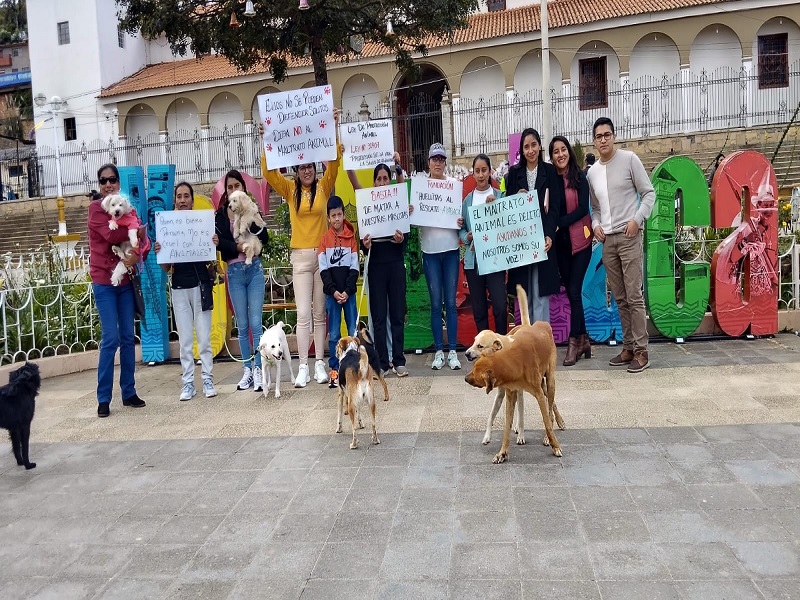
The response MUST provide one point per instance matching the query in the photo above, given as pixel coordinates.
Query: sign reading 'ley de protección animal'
(367, 143)
(298, 126)
(508, 233)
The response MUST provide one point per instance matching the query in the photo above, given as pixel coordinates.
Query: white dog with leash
(274, 349)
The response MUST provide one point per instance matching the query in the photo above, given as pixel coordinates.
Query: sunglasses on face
(104, 180)
(438, 159)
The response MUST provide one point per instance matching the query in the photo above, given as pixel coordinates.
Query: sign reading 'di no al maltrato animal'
(367, 143)
(437, 202)
(508, 233)
(298, 126)
(185, 236)
(382, 210)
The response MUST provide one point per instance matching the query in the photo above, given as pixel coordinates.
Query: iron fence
(646, 107)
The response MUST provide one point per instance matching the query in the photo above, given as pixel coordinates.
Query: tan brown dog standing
(520, 367)
(355, 386)
(486, 343)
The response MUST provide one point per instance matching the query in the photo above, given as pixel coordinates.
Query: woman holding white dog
(245, 284)
(307, 199)
(115, 304)
(191, 295)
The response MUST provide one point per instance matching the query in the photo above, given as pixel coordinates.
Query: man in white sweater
(622, 199)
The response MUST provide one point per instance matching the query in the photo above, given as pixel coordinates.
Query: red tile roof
(483, 26)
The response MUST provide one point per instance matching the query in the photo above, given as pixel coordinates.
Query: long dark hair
(232, 174)
(525, 133)
(298, 189)
(378, 169)
(573, 170)
(184, 184)
(111, 166)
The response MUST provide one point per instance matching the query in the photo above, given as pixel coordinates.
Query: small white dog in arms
(274, 349)
(245, 213)
(120, 209)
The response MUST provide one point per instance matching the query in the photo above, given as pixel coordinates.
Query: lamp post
(547, 114)
(53, 108)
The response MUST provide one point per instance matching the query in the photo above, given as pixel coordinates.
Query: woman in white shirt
(440, 263)
(494, 283)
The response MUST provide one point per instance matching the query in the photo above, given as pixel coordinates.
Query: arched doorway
(419, 116)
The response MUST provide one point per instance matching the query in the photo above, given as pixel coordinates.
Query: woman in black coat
(540, 280)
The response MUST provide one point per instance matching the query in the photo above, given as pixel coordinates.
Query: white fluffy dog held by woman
(245, 213)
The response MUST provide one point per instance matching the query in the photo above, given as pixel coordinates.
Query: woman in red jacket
(115, 304)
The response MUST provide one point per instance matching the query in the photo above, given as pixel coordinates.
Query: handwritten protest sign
(298, 126)
(508, 233)
(382, 210)
(367, 143)
(185, 236)
(437, 202)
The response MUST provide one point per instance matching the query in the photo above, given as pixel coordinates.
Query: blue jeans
(246, 288)
(334, 310)
(441, 274)
(115, 307)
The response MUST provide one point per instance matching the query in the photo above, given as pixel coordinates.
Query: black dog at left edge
(17, 403)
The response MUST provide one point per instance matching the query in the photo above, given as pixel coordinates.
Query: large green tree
(279, 31)
(13, 21)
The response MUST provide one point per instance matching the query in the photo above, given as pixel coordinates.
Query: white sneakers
(320, 372)
(302, 377)
(188, 392)
(258, 380)
(452, 360)
(208, 388)
(246, 382)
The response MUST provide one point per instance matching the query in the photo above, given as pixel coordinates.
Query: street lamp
(53, 108)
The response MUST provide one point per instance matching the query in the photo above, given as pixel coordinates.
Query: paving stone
(769, 559)
(159, 561)
(124, 588)
(477, 527)
(338, 589)
(207, 590)
(718, 590)
(724, 497)
(347, 560)
(485, 589)
(284, 560)
(602, 499)
(637, 590)
(379, 499)
(628, 561)
(484, 561)
(359, 526)
(549, 562)
(410, 561)
(712, 561)
(614, 527)
(575, 590)
(779, 589)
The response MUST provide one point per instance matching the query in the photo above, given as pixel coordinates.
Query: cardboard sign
(437, 202)
(298, 126)
(382, 210)
(185, 236)
(367, 143)
(508, 233)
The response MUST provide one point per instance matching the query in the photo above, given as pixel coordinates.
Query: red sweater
(101, 259)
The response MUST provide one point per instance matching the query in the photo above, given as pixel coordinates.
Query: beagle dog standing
(355, 386)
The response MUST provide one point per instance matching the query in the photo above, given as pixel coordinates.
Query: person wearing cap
(440, 258)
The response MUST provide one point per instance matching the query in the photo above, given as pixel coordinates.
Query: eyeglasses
(306, 168)
(603, 136)
(104, 180)
(438, 159)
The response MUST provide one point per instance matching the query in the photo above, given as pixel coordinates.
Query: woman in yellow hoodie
(307, 198)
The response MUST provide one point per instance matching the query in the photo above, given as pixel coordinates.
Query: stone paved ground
(683, 482)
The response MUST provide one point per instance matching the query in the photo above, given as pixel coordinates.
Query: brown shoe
(623, 358)
(572, 352)
(584, 346)
(639, 363)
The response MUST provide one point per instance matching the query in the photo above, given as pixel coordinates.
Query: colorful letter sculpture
(676, 177)
(602, 314)
(744, 267)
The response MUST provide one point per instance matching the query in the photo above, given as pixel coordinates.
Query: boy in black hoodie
(338, 268)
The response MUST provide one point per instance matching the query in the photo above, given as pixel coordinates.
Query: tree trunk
(318, 60)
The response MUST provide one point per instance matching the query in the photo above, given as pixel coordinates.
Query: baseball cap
(437, 149)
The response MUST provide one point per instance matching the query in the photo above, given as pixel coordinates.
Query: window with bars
(70, 129)
(495, 5)
(63, 33)
(120, 37)
(773, 60)
(593, 83)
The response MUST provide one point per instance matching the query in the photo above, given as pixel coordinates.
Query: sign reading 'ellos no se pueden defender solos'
(298, 126)
(507, 233)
